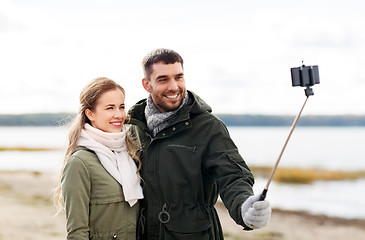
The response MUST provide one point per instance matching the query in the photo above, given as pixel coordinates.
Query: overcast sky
(237, 53)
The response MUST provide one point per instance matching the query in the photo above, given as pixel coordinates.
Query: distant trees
(37, 119)
(60, 119)
(276, 120)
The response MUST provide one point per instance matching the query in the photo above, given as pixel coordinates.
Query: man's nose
(172, 85)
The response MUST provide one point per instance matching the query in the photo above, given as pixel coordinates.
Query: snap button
(115, 236)
(163, 134)
(174, 128)
(186, 123)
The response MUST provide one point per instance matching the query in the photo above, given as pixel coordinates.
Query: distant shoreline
(61, 119)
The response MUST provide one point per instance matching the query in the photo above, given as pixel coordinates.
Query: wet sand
(27, 213)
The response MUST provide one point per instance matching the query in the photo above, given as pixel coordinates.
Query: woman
(99, 183)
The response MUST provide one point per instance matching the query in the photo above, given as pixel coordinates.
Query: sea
(332, 148)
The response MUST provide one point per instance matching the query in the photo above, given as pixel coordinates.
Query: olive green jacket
(184, 168)
(94, 201)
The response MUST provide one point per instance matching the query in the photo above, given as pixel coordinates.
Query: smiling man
(167, 85)
(188, 158)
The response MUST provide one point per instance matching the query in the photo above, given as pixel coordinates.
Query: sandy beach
(27, 213)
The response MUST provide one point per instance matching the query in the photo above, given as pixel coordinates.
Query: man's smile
(172, 96)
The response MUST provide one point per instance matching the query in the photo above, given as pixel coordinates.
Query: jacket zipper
(163, 216)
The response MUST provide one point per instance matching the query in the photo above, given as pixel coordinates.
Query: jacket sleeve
(76, 193)
(233, 177)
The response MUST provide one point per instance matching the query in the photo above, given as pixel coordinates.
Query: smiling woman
(99, 185)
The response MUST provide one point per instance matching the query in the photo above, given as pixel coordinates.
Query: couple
(161, 178)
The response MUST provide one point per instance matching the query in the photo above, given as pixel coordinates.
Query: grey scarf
(156, 120)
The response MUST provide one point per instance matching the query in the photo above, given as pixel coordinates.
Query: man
(188, 158)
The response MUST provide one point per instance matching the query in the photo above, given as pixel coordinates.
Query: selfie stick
(304, 76)
(263, 194)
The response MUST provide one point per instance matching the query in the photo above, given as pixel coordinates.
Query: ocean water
(334, 148)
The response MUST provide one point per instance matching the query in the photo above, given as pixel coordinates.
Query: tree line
(279, 120)
(61, 119)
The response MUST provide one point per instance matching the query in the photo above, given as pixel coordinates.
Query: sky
(237, 53)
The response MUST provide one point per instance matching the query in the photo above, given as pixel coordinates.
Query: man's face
(166, 85)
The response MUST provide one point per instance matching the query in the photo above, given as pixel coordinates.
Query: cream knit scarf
(112, 153)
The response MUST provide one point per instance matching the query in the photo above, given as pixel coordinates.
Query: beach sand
(27, 213)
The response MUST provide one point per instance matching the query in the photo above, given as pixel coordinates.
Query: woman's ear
(146, 85)
(89, 114)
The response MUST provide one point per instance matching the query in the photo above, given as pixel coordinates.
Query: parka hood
(199, 105)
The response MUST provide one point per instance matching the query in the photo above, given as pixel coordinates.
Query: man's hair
(167, 56)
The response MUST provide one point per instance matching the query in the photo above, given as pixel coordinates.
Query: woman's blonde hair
(88, 98)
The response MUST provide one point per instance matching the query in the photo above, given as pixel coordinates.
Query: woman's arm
(76, 187)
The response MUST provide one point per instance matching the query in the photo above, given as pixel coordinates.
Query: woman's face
(109, 113)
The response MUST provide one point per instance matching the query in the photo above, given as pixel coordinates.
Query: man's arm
(233, 177)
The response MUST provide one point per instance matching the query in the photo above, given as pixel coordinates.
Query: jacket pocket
(112, 218)
(183, 147)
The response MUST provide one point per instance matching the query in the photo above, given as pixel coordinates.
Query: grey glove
(256, 214)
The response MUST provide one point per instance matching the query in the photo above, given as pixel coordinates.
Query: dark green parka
(184, 168)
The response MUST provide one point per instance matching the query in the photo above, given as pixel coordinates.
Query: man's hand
(256, 214)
